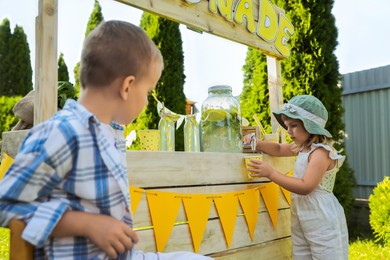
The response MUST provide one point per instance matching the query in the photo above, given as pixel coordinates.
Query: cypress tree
(254, 97)
(94, 20)
(312, 68)
(63, 74)
(169, 90)
(21, 71)
(5, 38)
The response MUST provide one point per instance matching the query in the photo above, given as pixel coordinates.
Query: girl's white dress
(318, 225)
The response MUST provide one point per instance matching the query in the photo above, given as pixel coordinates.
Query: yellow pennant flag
(6, 162)
(163, 207)
(250, 204)
(270, 194)
(197, 208)
(227, 208)
(135, 197)
(285, 192)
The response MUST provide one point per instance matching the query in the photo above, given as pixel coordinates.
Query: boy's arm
(109, 234)
(44, 159)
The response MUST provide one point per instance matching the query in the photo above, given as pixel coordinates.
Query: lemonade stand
(195, 201)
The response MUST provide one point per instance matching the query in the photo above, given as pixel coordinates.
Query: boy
(69, 179)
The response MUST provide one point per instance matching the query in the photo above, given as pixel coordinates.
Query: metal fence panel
(366, 99)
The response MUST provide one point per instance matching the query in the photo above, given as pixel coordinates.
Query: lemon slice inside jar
(244, 122)
(214, 115)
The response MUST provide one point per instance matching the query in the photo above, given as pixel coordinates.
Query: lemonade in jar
(221, 121)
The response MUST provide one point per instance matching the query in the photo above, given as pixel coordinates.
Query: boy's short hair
(115, 49)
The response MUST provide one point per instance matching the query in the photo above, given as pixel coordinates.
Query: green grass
(4, 243)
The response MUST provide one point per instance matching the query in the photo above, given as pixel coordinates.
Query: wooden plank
(159, 169)
(274, 88)
(46, 77)
(199, 17)
(213, 239)
(276, 250)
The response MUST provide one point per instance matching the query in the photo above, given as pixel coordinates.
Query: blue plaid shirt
(66, 163)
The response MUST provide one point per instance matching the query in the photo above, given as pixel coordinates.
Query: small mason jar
(191, 134)
(221, 121)
(167, 131)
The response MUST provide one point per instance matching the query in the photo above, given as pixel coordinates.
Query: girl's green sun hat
(309, 110)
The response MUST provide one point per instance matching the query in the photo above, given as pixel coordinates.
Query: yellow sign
(255, 23)
(268, 25)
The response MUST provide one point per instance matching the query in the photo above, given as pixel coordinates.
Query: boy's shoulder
(71, 121)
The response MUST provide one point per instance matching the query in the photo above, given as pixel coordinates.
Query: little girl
(318, 225)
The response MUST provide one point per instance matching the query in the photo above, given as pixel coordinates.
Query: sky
(363, 28)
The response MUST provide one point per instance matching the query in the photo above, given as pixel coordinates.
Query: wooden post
(46, 77)
(275, 89)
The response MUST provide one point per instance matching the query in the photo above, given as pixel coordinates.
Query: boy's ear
(127, 85)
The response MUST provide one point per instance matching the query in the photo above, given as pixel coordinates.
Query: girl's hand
(260, 169)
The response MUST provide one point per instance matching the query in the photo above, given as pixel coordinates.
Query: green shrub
(4, 243)
(7, 118)
(368, 249)
(66, 90)
(379, 203)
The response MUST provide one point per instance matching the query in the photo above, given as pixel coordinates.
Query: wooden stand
(182, 172)
(187, 172)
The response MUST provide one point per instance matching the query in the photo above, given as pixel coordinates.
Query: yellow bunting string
(6, 162)
(270, 192)
(197, 208)
(285, 192)
(176, 224)
(163, 208)
(250, 204)
(135, 196)
(227, 208)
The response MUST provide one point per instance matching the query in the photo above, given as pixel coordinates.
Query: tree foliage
(380, 211)
(5, 38)
(94, 20)
(312, 68)
(15, 64)
(7, 118)
(254, 97)
(63, 74)
(169, 90)
(20, 70)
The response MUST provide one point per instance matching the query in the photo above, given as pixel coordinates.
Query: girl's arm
(274, 149)
(271, 148)
(318, 164)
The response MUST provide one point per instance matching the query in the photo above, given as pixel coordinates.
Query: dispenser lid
(220, 87)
